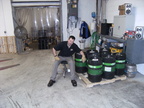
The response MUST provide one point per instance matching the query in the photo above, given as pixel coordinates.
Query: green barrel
(108, 67)
(94, 69)
(120, 64)
(104, 52)
(91, 53)
(80, 67)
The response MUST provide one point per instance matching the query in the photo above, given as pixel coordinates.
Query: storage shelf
(114, 38)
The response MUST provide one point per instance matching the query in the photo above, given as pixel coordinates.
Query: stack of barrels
(101, 65)
(94, 65)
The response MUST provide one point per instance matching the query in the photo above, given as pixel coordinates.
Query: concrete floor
(25, 86)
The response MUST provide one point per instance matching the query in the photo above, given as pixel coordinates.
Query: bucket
(80, 67)
(108, 67)
(131, 70)
(82, 44)
(94, 69)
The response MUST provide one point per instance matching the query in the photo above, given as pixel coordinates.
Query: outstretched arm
(54, 52)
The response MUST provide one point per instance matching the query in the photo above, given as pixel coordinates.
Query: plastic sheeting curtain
(21, 16)
(36, 19)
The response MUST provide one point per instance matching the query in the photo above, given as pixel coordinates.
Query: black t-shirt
(65, 51)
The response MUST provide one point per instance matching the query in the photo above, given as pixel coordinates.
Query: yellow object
(57, 58)
(115, 50)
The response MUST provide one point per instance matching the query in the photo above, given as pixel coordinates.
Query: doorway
(43, 26)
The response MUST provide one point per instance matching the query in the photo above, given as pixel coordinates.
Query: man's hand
(83, 58)
(57, 58)
(55, 54)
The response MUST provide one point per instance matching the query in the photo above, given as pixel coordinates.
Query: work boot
(74, 83)
(51, 82)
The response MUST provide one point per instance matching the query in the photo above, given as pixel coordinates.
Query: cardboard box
(121, 7)
(121, 12)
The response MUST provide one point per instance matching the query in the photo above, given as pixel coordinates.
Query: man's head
(71, 40)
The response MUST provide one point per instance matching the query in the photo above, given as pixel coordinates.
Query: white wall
(85, 8)
(138, 8)
(2, 24)
(6, 20)
(64, 19)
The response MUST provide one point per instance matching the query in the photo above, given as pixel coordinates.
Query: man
(67, 49)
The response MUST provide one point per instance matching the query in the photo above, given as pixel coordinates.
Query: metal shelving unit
(114, 38)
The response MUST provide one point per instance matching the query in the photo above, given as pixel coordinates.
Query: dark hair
(72, 37)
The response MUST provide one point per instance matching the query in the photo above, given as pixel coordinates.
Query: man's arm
(81, 52)
(83, 56)
(54, 52)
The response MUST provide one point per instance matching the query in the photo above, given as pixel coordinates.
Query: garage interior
(26, 64)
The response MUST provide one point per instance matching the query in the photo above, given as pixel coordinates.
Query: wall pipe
(100, 13)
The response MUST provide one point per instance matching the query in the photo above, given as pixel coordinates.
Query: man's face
(70, 41)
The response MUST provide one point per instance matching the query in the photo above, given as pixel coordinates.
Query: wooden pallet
(84, 78)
